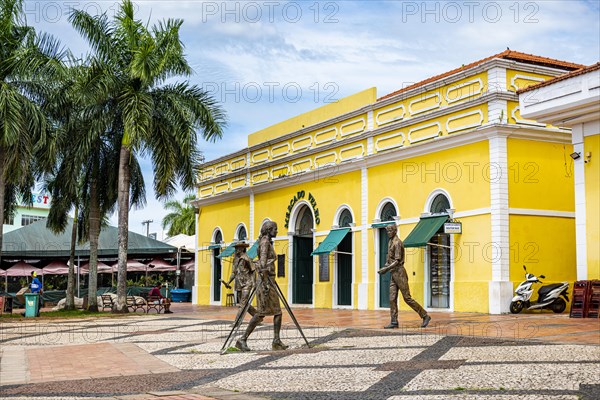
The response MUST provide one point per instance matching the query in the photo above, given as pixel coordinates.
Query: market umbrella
(189, 266)
(132, 266)
(102, 268)
(56, 268)
(22, 269)
(19, 269)
(160, 265)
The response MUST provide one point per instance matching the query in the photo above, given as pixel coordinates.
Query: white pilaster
(370, 121)
(497, 80)
(500, 292)
(196, 257)
(580, 212)
(251, 234)
(363, 286)
(497, 112)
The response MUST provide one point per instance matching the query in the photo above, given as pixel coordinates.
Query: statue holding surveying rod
(242, 272)
(268, 295)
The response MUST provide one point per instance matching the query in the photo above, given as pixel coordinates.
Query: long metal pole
(238, 320)
(78, 272)
(287, 307)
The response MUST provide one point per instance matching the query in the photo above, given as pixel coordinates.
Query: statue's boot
(426, 320)
(241, 342)
(242, 345)
(277, 343)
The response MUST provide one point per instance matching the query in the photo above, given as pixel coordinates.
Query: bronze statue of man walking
(266, 294)
(399, 281)
(242, 272)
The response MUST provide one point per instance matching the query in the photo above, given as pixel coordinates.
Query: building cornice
(439, 144)
(502, 63)
(508, 96)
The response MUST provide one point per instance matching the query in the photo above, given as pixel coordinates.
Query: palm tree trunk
(123, 202)
(94, 220)
(70, 300)
(2, 193)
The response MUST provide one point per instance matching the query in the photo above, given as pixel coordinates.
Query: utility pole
(147, 223)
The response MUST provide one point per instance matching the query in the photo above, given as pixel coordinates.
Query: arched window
(305, 222)
(218, 237)
(241, 233)
(439, 205)
(388, 212)
(345, 219)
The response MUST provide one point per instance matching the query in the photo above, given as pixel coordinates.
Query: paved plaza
(460, 356)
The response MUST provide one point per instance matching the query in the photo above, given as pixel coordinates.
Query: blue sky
(267, 61)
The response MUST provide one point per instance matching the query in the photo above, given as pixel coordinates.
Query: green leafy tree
(182, 217)
(158, 119)
(86, 174)
(28, 63)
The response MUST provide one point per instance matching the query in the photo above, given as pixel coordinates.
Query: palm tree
(158, 119)
(86, 174)
(27, 63)
(182, 218)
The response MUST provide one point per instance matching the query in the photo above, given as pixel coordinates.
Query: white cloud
(383, 44)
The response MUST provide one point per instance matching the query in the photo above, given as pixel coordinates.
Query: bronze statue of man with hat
(399, 279)
(242, 272)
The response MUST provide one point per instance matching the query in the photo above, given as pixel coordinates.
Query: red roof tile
(568, 75)
(506, 55)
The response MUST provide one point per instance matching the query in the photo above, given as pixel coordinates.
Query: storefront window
(439, 259)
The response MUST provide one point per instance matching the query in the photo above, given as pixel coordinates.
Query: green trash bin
(31, 305)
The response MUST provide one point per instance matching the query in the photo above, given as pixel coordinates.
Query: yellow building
(476, 190)
(573, 100)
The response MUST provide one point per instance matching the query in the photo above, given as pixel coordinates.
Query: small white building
(25, 215)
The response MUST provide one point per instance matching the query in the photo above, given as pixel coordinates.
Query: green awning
(331, 241)
(424, 231)
(229, 250)
(253, 251)
(383, 224)
(214, 246)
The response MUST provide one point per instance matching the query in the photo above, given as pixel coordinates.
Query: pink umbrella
(22, 269)
(159, 265)
(102, 268)
(189, 266)
(132, 266)
(56, 268)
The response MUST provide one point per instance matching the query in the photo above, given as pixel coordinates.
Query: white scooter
(548, 296)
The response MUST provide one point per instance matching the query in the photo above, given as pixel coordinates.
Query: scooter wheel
(559, 305)
(516, 306)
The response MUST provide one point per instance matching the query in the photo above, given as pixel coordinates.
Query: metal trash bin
(31, 305)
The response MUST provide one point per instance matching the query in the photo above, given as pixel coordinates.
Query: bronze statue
(266, 292)
(399, 281)
(242, 273)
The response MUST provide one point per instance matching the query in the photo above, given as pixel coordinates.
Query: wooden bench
(107, 302)
(134, 305)
(154, 303)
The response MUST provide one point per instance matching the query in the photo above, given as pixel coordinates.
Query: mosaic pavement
(178, 358)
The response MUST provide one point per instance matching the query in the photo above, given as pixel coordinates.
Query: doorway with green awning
(429, 233)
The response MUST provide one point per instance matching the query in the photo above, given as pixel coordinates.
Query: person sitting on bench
(159, 298)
